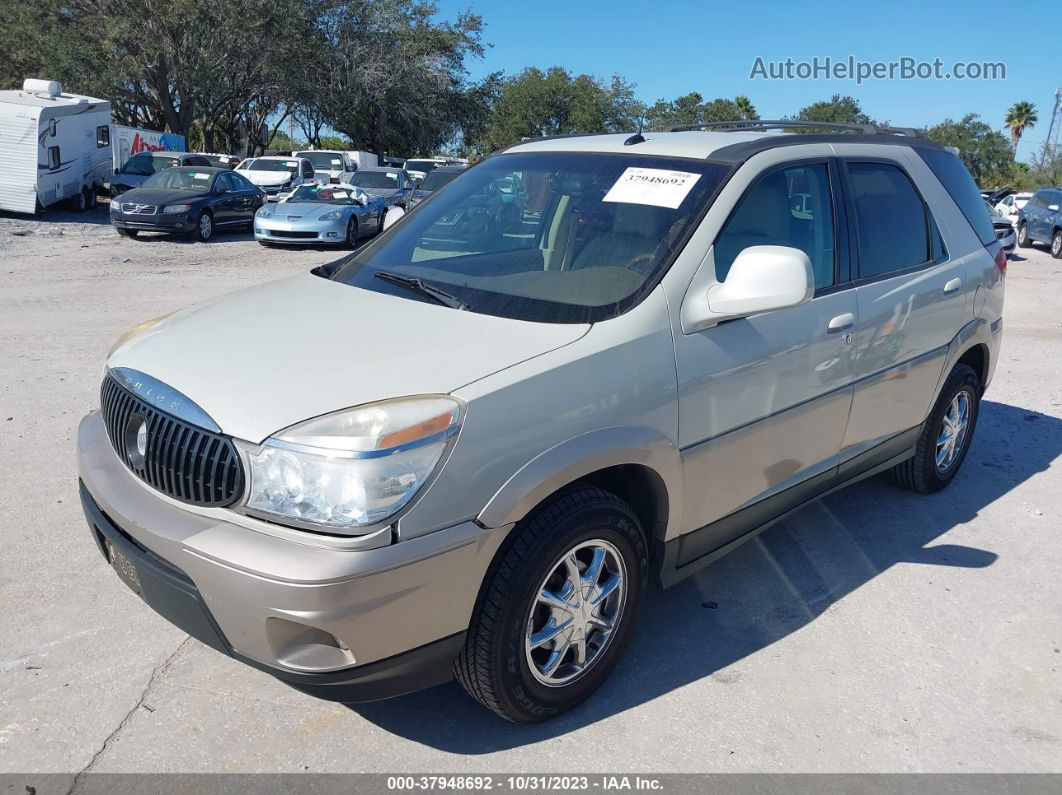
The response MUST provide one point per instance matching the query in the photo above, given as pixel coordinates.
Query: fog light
(333, 234)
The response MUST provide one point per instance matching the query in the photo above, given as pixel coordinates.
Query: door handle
(952, 285)
(841, 323)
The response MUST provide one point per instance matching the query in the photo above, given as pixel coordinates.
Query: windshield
(421, 165)
(577, 238)
(437, 179)
(291, 166)
(323, 160)
(181, 179)
(319, 193)
(376, 179)
(221, 161)
(145, 164)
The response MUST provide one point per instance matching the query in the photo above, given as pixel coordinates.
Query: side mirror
(762, 279)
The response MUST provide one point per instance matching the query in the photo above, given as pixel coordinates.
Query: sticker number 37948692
(656, 186)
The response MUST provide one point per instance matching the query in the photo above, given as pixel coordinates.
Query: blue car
(1040, 221)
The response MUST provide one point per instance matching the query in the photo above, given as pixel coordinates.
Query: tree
(1020, 117)
(556, 102)
(691, 109)
(836, 110)
(389, 74)
(985, 152)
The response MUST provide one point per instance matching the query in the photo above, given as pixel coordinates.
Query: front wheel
(556, 608)
(204, 227)
(946, 436)
(1056, 244)
(352, 233)
(1023, 236)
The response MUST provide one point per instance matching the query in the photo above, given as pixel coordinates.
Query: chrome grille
(182, 460)
(129, 208)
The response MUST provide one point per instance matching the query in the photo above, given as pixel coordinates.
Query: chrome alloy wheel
(206, 226)
(953, 431)
(575, 613)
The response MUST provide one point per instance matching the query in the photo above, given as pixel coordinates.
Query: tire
(132, 233)
(90, 198)
(352, 233)
(1023, 237)
(923, 472)
(495, 664)
(1056, 244)
(204, 227)
(78, 202)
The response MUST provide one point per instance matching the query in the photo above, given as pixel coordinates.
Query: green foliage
(555, 102)
(692, 109)
(985, 152)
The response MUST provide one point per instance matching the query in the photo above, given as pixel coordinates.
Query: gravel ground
(874, 631)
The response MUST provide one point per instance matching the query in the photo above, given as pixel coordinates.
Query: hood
(160, 196)
(307, 210)
(265, 358)
(265, 177)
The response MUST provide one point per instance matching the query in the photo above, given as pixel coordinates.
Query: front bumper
(278, 230)
(159, 222)
(340, 623)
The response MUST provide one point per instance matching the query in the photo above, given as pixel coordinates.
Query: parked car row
(1040, 220)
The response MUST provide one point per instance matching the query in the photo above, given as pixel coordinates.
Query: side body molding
(581, 455)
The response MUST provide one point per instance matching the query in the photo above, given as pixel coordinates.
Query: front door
(764, 400)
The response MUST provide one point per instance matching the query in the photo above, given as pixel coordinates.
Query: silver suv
(466, 448)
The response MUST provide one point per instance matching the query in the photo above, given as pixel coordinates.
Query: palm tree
(1021, 116)
(746, 108)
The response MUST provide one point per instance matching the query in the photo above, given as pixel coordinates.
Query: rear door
(1034, 211)
(225, 200)
(911, 297)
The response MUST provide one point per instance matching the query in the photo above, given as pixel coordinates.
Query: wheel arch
(639, 465)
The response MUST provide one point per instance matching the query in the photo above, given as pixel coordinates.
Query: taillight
(1001, 261)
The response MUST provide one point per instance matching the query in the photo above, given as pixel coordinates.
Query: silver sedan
(315, 214)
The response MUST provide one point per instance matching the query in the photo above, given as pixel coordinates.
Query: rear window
(958, 182)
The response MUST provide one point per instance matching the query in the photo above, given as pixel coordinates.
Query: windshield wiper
(418, 286)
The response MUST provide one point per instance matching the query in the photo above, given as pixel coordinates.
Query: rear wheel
(946, 437)
(1023, 236)
(1056, 244)
(90, 198)
(78, 202)
(556, 608)
(204, 227)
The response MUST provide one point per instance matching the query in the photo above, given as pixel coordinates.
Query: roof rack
(784, 124)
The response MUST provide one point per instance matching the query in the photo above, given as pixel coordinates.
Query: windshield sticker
(196, 175)
(656, 186)
(291, 163)
(336, 161)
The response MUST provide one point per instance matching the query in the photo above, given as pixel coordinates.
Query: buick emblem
(136, 441)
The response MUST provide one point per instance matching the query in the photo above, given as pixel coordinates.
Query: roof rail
(784, 124)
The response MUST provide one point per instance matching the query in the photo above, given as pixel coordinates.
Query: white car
(1008, 208)
(277, 175)
(330, 165)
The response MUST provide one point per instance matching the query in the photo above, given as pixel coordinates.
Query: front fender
(580, 456)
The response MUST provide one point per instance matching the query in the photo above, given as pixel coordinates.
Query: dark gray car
(435, 180)
(393, 185)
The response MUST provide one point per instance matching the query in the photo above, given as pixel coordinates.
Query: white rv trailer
(53, 146)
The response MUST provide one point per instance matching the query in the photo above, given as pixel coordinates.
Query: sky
(671, 47)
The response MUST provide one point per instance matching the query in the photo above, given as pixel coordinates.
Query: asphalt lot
(875, 631)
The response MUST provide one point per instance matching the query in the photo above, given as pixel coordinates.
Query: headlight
(265, 211)
(353, 468)
(334, 215)
(176, 208)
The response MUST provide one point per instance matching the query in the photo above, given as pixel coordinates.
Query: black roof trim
(738, 153)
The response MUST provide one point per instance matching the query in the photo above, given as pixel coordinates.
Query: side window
(890, 219)
(103, 136)
(51, 127)
(53, 158)
(224, 183)
(788, 207)
(1037, 200)
(957, 181)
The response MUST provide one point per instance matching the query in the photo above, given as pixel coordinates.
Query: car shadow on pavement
(58, 216)
(765, 590)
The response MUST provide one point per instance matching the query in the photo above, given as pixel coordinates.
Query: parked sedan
(431, 183)
(393, 185)
(195, 201)
(331, 214)
(277, 176)
(141, 166)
